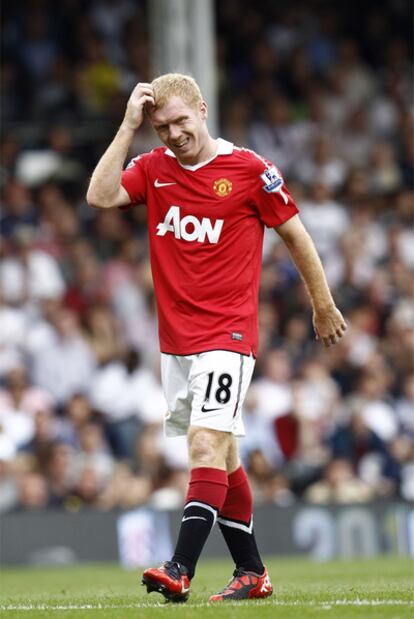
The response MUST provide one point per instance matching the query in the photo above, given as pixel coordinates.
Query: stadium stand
(326, 93)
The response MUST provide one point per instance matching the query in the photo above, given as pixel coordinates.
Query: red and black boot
(245, 586)
(171, 580)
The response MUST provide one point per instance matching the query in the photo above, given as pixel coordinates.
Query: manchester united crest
(222, 187)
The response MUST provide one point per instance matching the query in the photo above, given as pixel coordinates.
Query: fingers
(146, 99)
(142, 89)
(333, 338)
(142, 94)
(142, 97)
(329, 328)
(142, 86)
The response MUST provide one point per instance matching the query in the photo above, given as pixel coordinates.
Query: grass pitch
(370, 589)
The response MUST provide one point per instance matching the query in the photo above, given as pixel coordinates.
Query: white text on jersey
(189, 228)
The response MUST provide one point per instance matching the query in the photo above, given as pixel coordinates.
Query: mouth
(182, 143)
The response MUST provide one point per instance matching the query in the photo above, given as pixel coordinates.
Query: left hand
(329, 325)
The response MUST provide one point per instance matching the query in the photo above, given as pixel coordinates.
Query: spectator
(315, 399)
(87, 489)
(128, 396)
(103, 333)
(17, 427)
(9, 490)
(36, 47)
(275, 136)
(405, 406)
(29, 274)
(272, 392)
(268, 484)
(385, 172)
(33, 492)
(321, 164)
(13, 322)
(76, 413)
(339, 485)
(325, 219)
(19, 395)
(67, 365)
(125, 489)
(355, 140)
(61, 473)
(19, 210)
(39, 446)
(94, 453)
(354, 440)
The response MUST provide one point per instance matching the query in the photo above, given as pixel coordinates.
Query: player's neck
(207, 151)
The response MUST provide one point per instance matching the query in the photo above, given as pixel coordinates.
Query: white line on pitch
(326, 603)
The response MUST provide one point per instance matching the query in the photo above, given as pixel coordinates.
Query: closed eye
(181, 120)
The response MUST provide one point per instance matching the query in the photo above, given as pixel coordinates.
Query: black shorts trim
(239, 386)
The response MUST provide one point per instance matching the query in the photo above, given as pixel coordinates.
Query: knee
(207, 447)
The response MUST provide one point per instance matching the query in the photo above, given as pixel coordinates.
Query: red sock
(239, 501)
(208, 485)
(236, 523)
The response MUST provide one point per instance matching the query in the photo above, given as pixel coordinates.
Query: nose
(174, 132)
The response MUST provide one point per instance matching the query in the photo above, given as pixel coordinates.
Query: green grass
(379, 589)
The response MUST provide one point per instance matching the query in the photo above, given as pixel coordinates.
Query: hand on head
(141, 97)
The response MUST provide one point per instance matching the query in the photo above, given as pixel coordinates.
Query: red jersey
(206, 225)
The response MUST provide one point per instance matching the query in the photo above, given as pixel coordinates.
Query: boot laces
(238, 573)
(173, 569)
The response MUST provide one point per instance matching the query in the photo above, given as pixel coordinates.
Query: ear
(203, 110)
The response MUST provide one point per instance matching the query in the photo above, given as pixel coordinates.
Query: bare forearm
(328, 321)
(105, 189)
(105, 183)
(308, 263)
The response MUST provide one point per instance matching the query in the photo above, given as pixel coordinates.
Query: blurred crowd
(324, 92)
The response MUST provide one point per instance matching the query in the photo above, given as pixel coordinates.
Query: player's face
(183, 129)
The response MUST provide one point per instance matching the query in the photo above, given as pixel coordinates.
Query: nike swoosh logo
(158, 184)
(193, 518)
(207, 410)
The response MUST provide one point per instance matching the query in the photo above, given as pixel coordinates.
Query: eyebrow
(172, 122)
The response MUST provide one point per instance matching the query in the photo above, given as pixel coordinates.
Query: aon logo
(189, 227)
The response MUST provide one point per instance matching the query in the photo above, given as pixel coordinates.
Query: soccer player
(208, 202)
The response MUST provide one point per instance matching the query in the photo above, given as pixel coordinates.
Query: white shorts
(205, 390)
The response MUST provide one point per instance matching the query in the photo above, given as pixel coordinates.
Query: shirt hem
(199, 352)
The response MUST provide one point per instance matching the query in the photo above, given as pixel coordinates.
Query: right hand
(329, 325)
(141, 95)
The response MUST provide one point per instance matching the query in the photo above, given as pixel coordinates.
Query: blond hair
(176, 85)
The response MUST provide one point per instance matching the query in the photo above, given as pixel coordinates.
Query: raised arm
(105, 189)
(328, 321)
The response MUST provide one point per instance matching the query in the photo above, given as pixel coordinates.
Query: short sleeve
(270, 194)
(133, 180)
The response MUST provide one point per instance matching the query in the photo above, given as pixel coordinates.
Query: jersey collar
(223, 148)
